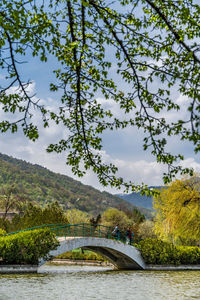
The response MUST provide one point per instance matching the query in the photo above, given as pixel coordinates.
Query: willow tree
(177, 208)
(153, 46)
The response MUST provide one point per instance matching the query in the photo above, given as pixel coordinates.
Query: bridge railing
(46, 226)
(83, 230)
(80, 230)
(74, 230)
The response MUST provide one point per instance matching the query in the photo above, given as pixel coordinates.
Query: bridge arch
(122, 256)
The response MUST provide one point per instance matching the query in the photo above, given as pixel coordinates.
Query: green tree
(35, 215)
(76, 216)
(177, 208)
(133, 214)
(112, 217)
(155, 52)
(53, 213)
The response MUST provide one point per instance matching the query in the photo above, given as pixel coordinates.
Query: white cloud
(191, 163)
(113, 106)
(30, 89)
(149, 172)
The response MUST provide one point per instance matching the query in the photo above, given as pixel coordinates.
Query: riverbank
(21, 269)
(15, 269)
(172, 268)
(28, 269)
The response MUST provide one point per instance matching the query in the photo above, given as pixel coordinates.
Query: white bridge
(121, 255)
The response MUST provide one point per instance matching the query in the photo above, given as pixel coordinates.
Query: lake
(91, 282)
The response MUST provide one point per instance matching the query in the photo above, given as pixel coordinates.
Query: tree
(177, 208)
(112, 216)
(76, 216)
(95, 221)
(36, 215)
(133, 214)
(145, 230)
(10, 199)
(155, 52)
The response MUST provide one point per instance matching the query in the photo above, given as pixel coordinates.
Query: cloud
(30, 89)
(191, 163)
(138, 171)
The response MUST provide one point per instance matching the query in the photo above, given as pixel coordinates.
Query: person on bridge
(116, 232)
(129, 236)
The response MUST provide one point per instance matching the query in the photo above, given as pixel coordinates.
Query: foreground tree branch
(154, 46)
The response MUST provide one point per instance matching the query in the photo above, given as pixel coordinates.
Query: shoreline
(29, 269)
(172, 268)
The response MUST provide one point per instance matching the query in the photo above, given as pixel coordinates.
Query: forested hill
(38, 184)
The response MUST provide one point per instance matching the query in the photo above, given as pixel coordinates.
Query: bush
(2, 231)
(189, 255)
(155, 251)
(27, 247)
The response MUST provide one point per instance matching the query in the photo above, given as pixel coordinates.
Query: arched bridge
(121, 255)
(99, 239)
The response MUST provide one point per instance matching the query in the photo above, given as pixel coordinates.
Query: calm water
(84, 283)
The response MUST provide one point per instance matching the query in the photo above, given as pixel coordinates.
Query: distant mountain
(40, 185)
(138, 200)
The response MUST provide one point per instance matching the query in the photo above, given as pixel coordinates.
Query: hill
(38, 184)
(138, 200)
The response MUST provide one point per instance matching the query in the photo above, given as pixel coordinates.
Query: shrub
(27, 247)
(155, 251)
(2, 232)
(189, 255)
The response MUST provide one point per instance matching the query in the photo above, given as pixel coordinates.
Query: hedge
(155, 251)
(27, 247)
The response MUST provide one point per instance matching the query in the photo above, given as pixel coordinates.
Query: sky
(123, 148)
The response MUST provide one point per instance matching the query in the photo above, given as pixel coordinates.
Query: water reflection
(83, 283)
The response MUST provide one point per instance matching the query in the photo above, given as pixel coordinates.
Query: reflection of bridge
(97, 238)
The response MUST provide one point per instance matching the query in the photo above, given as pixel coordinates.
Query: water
(84, 283)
